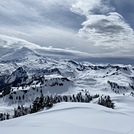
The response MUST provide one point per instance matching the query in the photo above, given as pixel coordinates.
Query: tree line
(49, 100)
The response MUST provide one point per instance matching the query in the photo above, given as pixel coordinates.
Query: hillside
(26, 74)
(73, 118)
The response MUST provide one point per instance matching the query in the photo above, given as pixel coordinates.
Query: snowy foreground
(76, 118)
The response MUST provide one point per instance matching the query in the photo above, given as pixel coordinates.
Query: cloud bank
(104, 25)
(98, 27)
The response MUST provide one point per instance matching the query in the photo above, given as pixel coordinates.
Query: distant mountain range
(26, 65)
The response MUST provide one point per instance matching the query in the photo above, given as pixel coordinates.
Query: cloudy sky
(100, 28)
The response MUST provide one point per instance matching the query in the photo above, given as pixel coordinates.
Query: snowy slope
(74, 118)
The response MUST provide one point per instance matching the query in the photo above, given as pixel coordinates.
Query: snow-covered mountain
(25, 74)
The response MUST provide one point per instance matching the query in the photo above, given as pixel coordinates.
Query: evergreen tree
(7, 116)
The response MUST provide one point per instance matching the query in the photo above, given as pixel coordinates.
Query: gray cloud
(105, 27)
(98, 27)
(47, 12)
(126, 9)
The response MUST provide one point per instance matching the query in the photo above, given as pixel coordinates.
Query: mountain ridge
(27, 77)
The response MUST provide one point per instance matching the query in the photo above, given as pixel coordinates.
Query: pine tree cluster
(106, 101)
(21, 111)
(49, 100)
(115, 87)
(4, 116)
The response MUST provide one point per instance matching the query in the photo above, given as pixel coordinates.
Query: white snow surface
(73, 118)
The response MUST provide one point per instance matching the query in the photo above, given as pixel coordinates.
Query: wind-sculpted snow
(72, 118)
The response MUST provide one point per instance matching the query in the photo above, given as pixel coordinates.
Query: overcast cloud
(101, 28)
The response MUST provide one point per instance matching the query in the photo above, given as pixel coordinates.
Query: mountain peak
(15, 43)
(18, 54)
